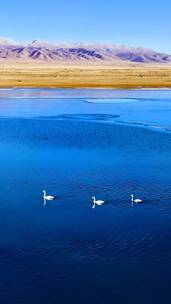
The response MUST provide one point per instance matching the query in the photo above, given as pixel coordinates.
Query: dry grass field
(30, 74)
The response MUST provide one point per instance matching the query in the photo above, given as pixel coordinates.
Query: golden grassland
(62, 75)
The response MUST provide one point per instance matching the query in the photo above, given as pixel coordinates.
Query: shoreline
(86, 88)
(124, 88)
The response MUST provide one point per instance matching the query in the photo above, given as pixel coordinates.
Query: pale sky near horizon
(134, 23)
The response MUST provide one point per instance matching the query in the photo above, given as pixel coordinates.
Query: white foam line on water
(112, 100)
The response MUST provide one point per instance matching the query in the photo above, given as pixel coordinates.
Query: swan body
(136, 200)
(47, 197)
(97, 202)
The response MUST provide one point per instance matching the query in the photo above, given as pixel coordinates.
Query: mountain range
(78, 52)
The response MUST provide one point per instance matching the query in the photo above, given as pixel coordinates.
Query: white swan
(48, 197)
(97, 202)
(136, 200)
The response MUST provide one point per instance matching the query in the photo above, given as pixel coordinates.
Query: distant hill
(79, 52)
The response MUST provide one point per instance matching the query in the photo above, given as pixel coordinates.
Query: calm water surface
(104, 143)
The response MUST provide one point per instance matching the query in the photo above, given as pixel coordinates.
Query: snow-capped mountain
(40, 50)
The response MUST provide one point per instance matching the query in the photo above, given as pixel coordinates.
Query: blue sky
(135, 23)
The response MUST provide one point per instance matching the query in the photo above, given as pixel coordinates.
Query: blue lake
(76, 144)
